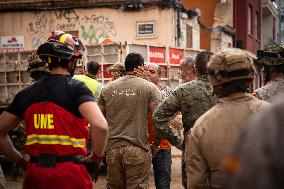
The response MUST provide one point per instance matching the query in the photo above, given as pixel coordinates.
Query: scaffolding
(14, 77)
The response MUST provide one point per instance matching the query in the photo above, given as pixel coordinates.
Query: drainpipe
(178, 25)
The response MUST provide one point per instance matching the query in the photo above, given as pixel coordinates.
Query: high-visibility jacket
(91, 83)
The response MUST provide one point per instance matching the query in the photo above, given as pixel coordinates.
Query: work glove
(93, 165)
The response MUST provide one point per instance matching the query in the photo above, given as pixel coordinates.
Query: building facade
(247, 21)
(270, 25)
(161, 23)
(229, 23)
(282, 22)
(216, 23)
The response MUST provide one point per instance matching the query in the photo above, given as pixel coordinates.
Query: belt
(50, 160)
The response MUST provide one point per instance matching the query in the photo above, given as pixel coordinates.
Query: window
(188, 36)
(257, 25)
(282, 23)
(274, 29)
(250, 20)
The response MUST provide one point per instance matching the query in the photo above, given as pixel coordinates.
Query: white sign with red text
(12, 43)
(157, 54)
(175, 55)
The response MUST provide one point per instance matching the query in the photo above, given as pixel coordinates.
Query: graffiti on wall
(68, 19)
(39, 28)
(91, 27)
(93, 34)
(103, 22)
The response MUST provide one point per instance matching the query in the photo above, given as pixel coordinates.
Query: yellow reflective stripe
(63, 37)
(55, 142)
(55, 136)
(55, 139)
(98, 91)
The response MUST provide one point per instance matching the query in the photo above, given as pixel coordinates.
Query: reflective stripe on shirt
(55, 139)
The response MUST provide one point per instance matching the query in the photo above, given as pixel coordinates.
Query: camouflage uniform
(214, 136)
(271, 90)
(37, 68)
(271, 59)
(216, 132)
(117, 70)
(192, 99)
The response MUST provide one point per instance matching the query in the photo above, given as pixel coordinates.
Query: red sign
(106, 72)
(157, 54)
(176, 55)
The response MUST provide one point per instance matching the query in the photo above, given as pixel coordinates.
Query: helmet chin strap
(72, 66)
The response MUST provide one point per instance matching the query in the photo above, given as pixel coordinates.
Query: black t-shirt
(62, 90)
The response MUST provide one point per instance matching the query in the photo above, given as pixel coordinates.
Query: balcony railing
(269, 7)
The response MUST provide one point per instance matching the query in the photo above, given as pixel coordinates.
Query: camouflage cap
(229, 65)
(271, 56)
(118, 69)
(36, 64)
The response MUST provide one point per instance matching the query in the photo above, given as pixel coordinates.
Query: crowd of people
(232, 136)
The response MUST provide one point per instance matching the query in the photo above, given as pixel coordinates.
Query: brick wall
(251, 41)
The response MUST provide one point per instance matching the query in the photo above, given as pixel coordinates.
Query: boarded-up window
(188, 36)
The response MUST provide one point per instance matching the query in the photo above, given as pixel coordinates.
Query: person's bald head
(154, 72)
(155, 67)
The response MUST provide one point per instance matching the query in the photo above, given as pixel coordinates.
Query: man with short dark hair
(90, 80)
(126, 103)
(192, 99)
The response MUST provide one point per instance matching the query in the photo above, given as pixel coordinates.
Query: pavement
(101, 183)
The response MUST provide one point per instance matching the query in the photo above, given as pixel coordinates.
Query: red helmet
(61, 45)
